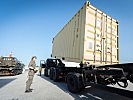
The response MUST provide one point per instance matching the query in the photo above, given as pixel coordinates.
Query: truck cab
(52, 63)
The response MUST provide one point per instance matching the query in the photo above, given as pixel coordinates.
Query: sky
(27, 27)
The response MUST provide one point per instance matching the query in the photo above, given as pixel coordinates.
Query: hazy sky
(28, 26)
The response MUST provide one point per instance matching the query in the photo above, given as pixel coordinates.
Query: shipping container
(90, 36)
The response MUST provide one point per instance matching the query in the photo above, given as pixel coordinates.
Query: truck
(90, 41)
(78, 77)
(10, 66)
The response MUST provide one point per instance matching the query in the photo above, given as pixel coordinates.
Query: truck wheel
(51, 73)
(55, 74)
(74, 82)
(46, 72)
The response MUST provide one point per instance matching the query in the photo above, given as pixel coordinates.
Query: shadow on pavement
(4, 82)
(89, 93)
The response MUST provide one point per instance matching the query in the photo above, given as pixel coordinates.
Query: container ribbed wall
(90, 36)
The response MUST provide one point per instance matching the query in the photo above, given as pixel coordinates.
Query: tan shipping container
(90, 36)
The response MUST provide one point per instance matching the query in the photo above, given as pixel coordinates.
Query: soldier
(31, 73)
(40, 70)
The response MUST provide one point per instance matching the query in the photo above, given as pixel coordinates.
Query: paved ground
(13, 87)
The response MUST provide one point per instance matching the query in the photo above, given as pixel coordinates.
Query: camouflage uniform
(31, 73)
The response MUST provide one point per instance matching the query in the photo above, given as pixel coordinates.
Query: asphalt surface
(13, 88)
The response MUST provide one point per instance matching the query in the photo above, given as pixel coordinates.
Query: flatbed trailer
(77, 78)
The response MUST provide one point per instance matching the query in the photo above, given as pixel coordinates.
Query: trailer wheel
(74, 82)
(51, 73)
(55, 74)
(122, 82)
(46, 72)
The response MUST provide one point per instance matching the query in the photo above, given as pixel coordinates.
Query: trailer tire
(75, 82)
(51, 73)
(124, 81)
(46, 72)
(55, 74)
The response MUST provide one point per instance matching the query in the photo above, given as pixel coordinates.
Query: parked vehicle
(10, 66)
